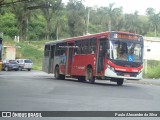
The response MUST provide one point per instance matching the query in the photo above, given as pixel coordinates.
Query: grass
(153, 69)
(30, 52)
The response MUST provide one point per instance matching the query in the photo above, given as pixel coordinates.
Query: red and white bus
(112, 56)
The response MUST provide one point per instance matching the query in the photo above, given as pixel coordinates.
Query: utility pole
(88, 21)
(57, 32)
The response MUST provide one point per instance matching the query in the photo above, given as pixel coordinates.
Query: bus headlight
(139, 71)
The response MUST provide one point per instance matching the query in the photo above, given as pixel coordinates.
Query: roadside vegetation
(152, 70)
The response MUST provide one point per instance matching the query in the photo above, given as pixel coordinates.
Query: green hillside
(29, 50)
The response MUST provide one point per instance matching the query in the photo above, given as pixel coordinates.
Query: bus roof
(101, 34)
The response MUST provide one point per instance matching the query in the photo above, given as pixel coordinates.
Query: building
(9, 52)
(151, 48)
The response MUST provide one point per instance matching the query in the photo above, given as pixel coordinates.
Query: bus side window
(87, 46)
(63, 49)
(92, 46)
(46, 50)
(84, 47)
(60, 49)
(57, 53)
(78, 50)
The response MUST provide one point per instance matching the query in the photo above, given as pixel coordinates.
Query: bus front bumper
(113, 74)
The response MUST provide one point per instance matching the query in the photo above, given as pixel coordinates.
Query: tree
(96, 22)
(112, 14)
(142, 25)
(1, 1)
(150, 11)
(59, 23)
(154, 19)
(36, 27)
(76, 17)
(49, 7)
(8, 25)
(132, 22)
(118, 19)
(22, 15)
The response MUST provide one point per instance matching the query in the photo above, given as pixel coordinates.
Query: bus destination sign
(126, 36)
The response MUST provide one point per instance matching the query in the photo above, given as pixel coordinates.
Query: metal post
(57, 33)
(145, 66)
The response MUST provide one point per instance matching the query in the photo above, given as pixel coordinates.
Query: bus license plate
(127, 75)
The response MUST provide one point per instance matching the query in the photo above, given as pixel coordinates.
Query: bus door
(51, 60)
(69, 58)
(101, 55)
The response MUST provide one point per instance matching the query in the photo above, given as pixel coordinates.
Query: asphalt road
(38, 91)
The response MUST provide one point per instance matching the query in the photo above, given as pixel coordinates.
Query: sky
(129, 6)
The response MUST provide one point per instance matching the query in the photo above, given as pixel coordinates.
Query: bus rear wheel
(57, 75)
(120, 82)
(89, 75)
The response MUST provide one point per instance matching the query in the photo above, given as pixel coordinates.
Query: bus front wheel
(89, 75)
(120, 82)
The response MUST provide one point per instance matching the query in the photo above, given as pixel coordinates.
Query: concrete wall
(151, 48)
(9, 53)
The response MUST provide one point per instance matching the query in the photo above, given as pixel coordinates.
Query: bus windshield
(126, 51)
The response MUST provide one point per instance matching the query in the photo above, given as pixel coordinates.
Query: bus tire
(120, 82)
(56, 74)
(89, 75)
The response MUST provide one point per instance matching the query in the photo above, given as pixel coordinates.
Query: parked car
(24, 64)
(10, 65)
